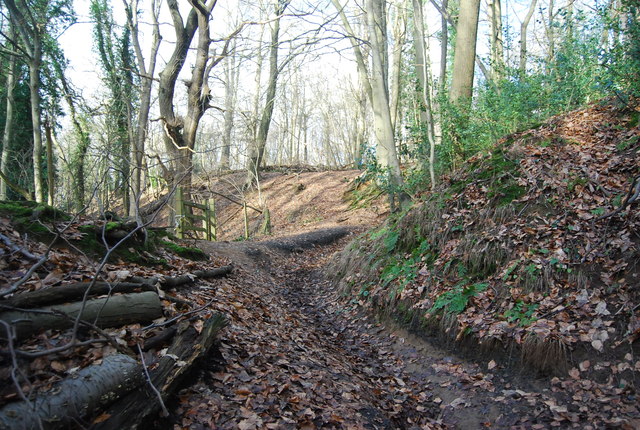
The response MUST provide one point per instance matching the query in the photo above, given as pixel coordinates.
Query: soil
(296, 355)
(298, 201)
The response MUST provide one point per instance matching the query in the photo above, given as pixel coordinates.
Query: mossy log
(78, 396)
(72, 292)
(104, 312)
(188, 346)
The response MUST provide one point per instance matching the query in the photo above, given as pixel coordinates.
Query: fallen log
(187, 347)
(104, 312)
(71, 292)
(160, 339)
(177, 281)
(78, 396)
(76, 291)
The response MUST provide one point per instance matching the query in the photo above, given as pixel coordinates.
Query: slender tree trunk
(399, 37)
(48, 127)
(444, 47)
(426, 108)
(361, 63)
(465, 52)
(34, 89)
(257, 154)
(7, 136)
(497, 45)
(382, 125)
(30, 33)
(144, 93)
(523, 38)
(551, 36)
(230, 95)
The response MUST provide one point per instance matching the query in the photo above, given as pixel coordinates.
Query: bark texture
(187, 347)
(105, 312)
(465, 52)
(78, 396)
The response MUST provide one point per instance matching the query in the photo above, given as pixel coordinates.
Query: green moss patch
(187, 252)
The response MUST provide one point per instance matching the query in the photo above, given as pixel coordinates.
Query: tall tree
(399, 37)
(522, 66)
(424, 81)
(444, 47)
(256, 153)
(175, 136)
(382, 122)
(494, 8)
(7, 137)
(144, 92)
(33, 20)
(116, 59)
(377, 90)
(231, 74)
(461, 89)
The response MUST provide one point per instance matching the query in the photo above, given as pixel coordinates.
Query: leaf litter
(298, 355)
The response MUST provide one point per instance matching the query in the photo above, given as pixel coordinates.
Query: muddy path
(295, 355)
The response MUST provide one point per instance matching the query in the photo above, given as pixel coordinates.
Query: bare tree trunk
(230, 96)
(445, 14)
(426, 108)
(7, 136)
(257, 153)
(180, 134)
(142, 126)
(355, 44)
(551, 35)
(465, 52)
(399, 37)
(383, 128)
(34, 89)
(523, 38)
(444, 47)
(494, 8)
(48, 127)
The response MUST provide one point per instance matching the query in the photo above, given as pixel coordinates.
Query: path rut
(296, 356)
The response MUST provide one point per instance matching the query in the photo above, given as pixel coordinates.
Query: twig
(165, 412)
(15, 248)
(177, 317)
(27, 275)
(15, 368)
(632, 195)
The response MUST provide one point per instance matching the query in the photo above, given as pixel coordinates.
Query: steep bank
(529, 251)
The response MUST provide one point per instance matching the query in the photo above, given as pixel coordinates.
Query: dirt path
(296, 356)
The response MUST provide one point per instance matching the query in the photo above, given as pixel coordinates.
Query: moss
(634, 119)
(17, 209)
(29, 217)
(507, 193)
(190, 253)
(112, 225)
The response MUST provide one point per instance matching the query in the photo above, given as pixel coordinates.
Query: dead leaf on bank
(53, 277)
(597, 344)
(101, 418)
(601, 308)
